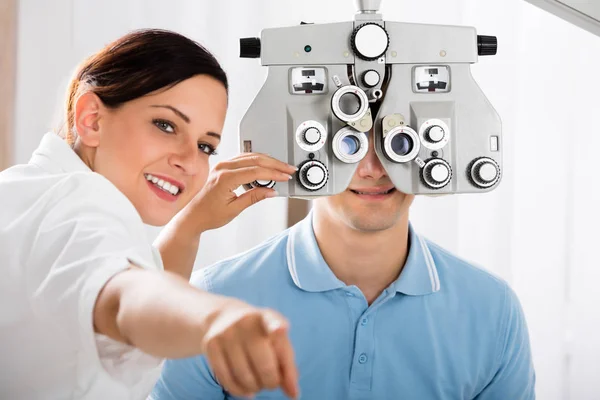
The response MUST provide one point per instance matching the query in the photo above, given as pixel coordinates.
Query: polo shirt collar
(305, 262)
(310, 272)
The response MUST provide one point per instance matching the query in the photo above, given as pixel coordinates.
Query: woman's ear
(88, 110)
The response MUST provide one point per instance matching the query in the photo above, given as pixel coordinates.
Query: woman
(86, 310)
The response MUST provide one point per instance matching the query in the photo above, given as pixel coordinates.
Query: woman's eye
(207, 149)
(164, 126)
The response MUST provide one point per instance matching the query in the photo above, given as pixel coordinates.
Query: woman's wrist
(178, 244)
(193, 219)
(188, 226)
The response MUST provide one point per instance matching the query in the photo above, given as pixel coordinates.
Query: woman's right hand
(249, 350)
(247, 347)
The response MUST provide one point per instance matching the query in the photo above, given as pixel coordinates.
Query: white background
(539, 230)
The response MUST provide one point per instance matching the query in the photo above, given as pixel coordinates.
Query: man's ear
(88, 111)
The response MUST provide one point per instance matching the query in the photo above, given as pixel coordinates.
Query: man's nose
(370, 167)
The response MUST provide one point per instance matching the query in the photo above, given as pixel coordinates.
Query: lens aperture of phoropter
(350, 103)
(402, 144)
(349, 145)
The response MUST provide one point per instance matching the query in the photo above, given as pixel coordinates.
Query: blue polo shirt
(443, 330)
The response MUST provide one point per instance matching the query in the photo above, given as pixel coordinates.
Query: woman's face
(156, 148)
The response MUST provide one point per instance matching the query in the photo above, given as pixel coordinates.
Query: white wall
(539, 230)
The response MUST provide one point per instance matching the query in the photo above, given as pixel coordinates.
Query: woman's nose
(185, 157)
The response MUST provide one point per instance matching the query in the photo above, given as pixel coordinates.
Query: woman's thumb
(252, 197)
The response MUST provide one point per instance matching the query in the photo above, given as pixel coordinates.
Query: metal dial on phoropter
(370, 41)
(262, 183)
(484, 172)
(371, 78)
(434, 134)
(311, 136)
(436, 173)
(313, 175)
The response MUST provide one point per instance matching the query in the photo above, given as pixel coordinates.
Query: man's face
(371, 203)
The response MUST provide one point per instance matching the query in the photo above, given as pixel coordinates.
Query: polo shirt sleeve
(87, 233)
(515, 377)
(188, 378)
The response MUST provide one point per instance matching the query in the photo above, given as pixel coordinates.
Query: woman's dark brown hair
(137, 64)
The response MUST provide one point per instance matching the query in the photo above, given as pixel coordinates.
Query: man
(375, 310)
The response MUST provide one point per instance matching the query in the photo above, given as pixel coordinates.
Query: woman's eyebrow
(176, 111)
(184, 117)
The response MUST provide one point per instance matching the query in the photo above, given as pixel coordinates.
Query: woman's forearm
(159, 313)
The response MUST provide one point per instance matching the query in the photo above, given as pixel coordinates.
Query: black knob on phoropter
(487, 45)
(313, 175)
(436, 173)
(250, 47)
(371, 78)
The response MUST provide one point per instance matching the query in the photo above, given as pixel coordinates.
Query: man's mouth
(165, 186)
(373, 192)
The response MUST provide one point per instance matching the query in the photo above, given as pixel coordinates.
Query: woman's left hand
(217, 203)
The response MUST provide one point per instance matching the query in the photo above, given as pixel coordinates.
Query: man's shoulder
(262, 265)
(470, 277)
(488, 298)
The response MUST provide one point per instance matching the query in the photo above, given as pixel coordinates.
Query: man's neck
(369, 260)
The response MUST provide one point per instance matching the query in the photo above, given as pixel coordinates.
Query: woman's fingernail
(274, 324)
(273, 193)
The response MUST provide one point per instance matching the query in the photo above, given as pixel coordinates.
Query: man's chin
(374, 216)
(363, 214)
(372, 220)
